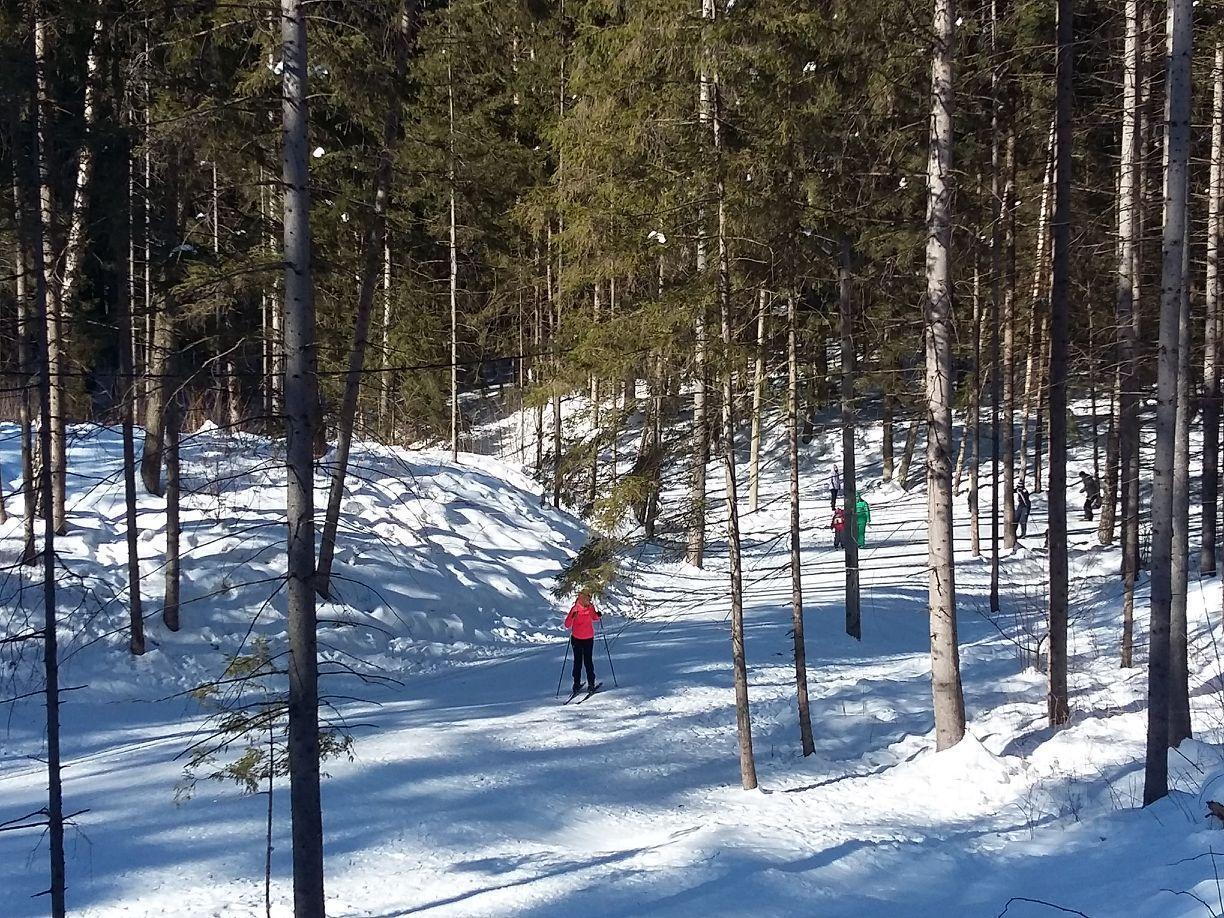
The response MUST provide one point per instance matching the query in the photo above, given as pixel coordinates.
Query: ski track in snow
(474, 792)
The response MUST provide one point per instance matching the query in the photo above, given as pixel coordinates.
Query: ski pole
(564, 660)
(608, 652)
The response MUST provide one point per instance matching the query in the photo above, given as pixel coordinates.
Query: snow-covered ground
(472, 792)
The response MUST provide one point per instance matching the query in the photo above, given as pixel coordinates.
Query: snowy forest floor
(472, 792)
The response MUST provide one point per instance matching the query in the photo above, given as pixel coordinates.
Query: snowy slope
(471, 792)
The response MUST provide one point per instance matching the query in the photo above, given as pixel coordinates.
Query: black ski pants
(584, 655)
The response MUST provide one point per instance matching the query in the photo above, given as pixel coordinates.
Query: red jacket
(839, 520)
(581, 620)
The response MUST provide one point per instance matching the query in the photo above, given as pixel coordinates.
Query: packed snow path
(474, 792)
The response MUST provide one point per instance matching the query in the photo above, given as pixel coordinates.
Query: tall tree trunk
(1128, 310)
(301, 400)
(1179, 675)
(165, 333)
(1032, 373)
(890, 408)
(454, 286)
(28, 363)
(907, 454)
(854, 623)
(174, 420)
(373, 251)
(384, 394)
(948, 696)
(1000, 188)
(1211, 349)
(62, 290)
(1003, 382)
(1109, 502)
(701, 423)
(33, 237)
(1176, 186)
(121, 243)
(596, 315)
(743, 718)
(758, 398)
(1058, 706)
(792, 437)
(973, 435)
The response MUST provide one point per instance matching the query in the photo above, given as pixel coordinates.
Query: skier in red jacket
(581, 623)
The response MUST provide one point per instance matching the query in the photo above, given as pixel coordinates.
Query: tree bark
(301, 400)
(907, 454)
(1176, 185)
(171, 604)
(27, 363)
(1211, 350)
(373, 254)
(758, 398)
(792, 437)
(1032, 371)
(948, 696)
(33, 235)
(1179, 676)
(1128, 306)
(1058, 706)
(121, 247)
(743, 718)
(454, 288)
(854, 623)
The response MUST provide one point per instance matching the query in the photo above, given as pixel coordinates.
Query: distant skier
(1024, 504)
(862, 516)
(834, 486)
(838, 526)
(581, 623)
(1092, 494)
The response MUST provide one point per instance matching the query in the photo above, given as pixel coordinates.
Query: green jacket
(862, 512)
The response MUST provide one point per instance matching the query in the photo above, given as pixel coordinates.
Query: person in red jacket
(838, 526)
(581, 624)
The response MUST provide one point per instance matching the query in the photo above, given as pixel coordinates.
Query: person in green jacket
(862, 516)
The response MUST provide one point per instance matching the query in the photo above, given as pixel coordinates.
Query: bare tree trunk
(854, 622)
(454, 284)
(1036, 332)
(758, 398)
(26, 369)
(1058, 704)
(1176, 186)
(1109, 502)
(1211, 349)
(743, 718)
(973, 435)
(701, 424)
(1003, 382)
(384, 395)
(948, 696)
(1128, 310)
(1043, 394)
(164, 345)
(33, 236)
(174, 419)
(792, 436)
(122, 249)
(1179, 674)
(907, 454)
(301, 400)
(596, 310)
(373, 250)
(890, 408)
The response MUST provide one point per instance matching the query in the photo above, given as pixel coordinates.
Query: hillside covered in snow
(464, 788)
